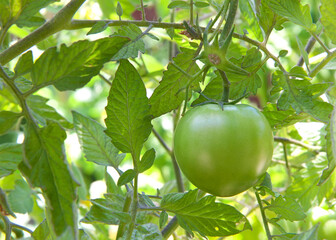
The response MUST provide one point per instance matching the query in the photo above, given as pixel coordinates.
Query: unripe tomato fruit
(223, 151)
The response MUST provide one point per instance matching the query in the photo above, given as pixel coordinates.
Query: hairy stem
(122, 226)
(296, 142)
(308, 48)
(324, 62)
(263, 215)
(226, 87)
(289, 173)
(56, 24)
(230, 18)
(191, 21)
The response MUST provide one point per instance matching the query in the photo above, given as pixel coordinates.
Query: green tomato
(223, 151)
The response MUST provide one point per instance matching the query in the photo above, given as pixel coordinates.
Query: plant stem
(134, 207)
(311, 42)
(191, 22)
(143, 11)
(289, 173)
(79, 24)
(320, 42)
(14, 225)
(105, 79)
(169, 228)
(324, 62)
(226, 87)
(8, 227)
(263, 215)
(122, 226)
(296, 142)
(162, 141)
(56, 24)
(230, 18)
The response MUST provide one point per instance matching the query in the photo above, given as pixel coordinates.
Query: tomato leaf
(163, 218)
(111, 186)
(287, 208)
(72, 67)
(302, 96)
(10, 157)
(42, 231)
(179, 4)
(108, 210)
(126, 177)
(43, 112)
(45, 166)
(207, 217)
(128, 121)
(293, 11)
(249, 11)
(24, 64)
(16, 196)
(331, 148)
(100, 26)
(171, 92)
(282, 118)
(132, 48)
(147, 160)
(96, 145)
(328, 12)
(7, 120)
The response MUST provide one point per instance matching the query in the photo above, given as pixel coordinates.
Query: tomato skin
(223, 152)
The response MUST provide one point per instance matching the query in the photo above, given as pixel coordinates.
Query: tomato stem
(226, 87)
(263, 215)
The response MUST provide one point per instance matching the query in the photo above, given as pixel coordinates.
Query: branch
(263, 215)
(56, 24)
(324, 62)
(308, 48)
(79, 24)
(296, 142)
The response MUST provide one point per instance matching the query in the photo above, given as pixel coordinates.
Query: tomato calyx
(221, 103)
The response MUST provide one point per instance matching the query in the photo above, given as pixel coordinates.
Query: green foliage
(62, 77)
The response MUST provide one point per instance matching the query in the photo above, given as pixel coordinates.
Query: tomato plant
(223, 151)
(92, 91)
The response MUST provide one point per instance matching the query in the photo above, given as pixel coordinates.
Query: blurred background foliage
(91, 101)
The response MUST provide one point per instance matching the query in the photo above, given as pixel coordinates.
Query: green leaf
(119, 10)
(283, 53)
(16, 196)
(132, 48)
(248, 10)
(200, 4)
(111, 186)
(83, 235)
(100, 26)
(331, 148)
(108, 211)
(29, 9)
(126, 177)
(287, 208)
(10, 157)
(281, 118)
(42, 232)
(128, 121)
(147, 160)
(311, 234)
(293, 11)
(172, 89)
(207, 217)
(45, 166)
(96, 145)
(252, 58)
(163, 219)
(72, 67)
(8, 120)
(24, 64)
(179, 4)
(302, 96)
(148, 231)
(328, 12)
(303, 52)
(43, 112)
